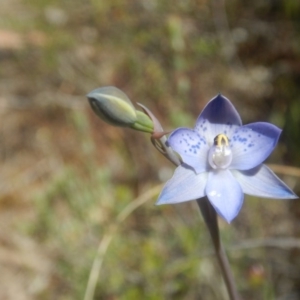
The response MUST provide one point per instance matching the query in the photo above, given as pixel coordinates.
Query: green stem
(210, 218)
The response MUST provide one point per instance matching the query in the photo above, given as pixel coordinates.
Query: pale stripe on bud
(114, 107)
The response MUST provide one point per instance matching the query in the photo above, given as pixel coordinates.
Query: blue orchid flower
(222, 159)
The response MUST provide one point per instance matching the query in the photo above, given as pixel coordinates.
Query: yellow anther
(221, 140)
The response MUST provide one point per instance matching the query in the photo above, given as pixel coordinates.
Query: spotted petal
(252, 144)
(225, 194)
(185, 185)
(262, 182)
(191, 146)
(218, 116)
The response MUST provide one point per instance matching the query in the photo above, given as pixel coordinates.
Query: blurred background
(68, 180)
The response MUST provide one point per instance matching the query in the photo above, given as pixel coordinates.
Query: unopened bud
(114, 107)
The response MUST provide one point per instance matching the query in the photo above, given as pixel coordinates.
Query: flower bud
(114, 107)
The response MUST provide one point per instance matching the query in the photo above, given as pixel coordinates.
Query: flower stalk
(210, 218)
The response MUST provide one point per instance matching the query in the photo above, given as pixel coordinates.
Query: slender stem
(227, 274)
(210, 218)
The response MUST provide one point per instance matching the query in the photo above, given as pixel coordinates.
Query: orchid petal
(262, 182)
(185, 185)
(218, 116)
(252, 144)
(191, 146)
(224, 193)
